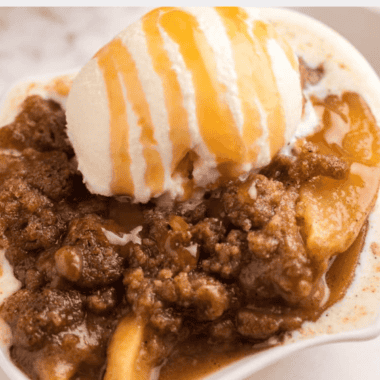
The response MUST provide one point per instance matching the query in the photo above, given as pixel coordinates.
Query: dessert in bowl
(205, 247)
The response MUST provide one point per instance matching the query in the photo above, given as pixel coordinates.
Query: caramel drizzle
(177, 113)
(118, 53)
(255, 78)
(119, 145)
(269, 94)
(215, 119)
(244, 57)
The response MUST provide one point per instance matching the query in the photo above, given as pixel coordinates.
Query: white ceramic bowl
(356, 317)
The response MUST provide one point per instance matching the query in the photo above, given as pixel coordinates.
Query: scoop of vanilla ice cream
(184, 98)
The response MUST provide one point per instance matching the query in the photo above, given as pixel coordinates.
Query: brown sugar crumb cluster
(232, 267)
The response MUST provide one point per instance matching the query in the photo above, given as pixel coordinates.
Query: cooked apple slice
(334, 211)
(124, 359)
(349, 129)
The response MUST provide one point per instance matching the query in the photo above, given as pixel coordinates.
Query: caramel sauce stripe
(154, 173)
(265, 69)
(248, 19)
(174, 99)
(221, 46)
(243, 55)
(185, 81)
(138, 163)
(215, 118)
(265, 80)
(151, 109)
(119, 145)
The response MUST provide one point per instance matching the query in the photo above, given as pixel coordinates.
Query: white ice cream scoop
(183, 98)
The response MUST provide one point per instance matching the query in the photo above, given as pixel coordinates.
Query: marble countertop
(36, 41)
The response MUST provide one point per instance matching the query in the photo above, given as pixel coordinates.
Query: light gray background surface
(36, 41)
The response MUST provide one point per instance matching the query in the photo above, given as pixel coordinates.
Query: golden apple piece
(349, 129)
(334, 211)
(124, 359)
